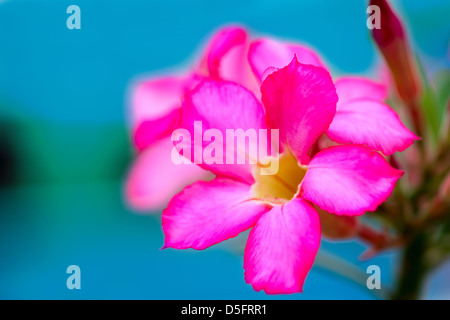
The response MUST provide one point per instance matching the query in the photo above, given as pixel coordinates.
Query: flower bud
(392, 41)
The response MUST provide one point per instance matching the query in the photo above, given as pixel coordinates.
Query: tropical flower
(156, 109)
(155, 113)
(301, 101)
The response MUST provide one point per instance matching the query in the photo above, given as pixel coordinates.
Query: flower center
(282, 186)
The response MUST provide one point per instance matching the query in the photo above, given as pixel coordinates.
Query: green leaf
(430, 104)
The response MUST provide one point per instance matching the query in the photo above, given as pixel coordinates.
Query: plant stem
(413, 269)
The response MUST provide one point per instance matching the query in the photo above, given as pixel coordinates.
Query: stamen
(283, 185)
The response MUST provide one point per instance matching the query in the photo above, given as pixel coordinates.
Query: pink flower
(155, 113)
(301, 101)
(359, 117)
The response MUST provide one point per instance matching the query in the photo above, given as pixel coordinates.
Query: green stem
(413, 269)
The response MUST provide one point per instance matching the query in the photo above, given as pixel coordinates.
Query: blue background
(63, 100)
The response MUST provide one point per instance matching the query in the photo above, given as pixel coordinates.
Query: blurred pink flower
(301, 101)
(156, 108)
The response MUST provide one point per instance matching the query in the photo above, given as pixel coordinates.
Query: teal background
(65, 147)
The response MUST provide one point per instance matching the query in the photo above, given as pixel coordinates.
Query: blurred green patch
(36, 151)
(436, 93)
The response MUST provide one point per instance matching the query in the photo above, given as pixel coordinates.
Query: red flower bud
(392, 41)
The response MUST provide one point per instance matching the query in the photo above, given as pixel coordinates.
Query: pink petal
(300, 101)
(226, 58)
(235, 67)
(156, 98)
(223, 105)
(281, 248)
(150, 131)
(154, 179)
(222, 42)
(207, 213)
(266, 52)
(371, 123)
(349, 88)
(349, 180)
(156, 106)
